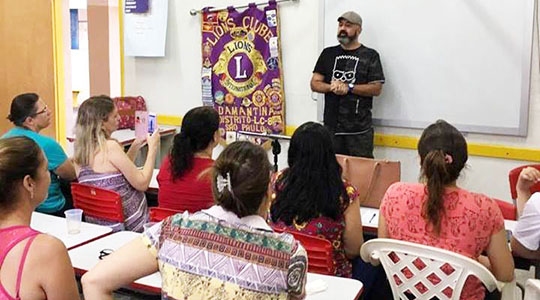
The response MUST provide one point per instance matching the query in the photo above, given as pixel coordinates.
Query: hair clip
(221, 182)
(448, 159)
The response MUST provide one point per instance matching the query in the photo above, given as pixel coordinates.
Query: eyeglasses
(44, 110)
(104, 253)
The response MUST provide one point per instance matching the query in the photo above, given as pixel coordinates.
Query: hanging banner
(241, 72)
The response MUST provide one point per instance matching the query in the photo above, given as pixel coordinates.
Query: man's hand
(339, 87)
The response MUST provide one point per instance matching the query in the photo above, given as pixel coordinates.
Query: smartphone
(152, 122)
(141, 124)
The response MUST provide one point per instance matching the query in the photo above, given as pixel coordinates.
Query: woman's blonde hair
(89, 132)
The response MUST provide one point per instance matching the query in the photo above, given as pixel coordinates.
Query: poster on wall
(241, 69)
(74, 28)
(145, 33)
(136, 6)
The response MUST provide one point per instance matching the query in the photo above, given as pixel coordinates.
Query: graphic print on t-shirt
(345, 68)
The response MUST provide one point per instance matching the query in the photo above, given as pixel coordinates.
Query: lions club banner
(241, 74)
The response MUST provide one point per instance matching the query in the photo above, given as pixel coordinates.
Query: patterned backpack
(126, 109)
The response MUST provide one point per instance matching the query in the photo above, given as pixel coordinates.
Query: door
(26, 55)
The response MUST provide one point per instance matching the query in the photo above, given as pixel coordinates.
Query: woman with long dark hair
(311, 197)
(182, 185)
(438, 213)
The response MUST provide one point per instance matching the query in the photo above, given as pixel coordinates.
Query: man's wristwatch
(351, 87)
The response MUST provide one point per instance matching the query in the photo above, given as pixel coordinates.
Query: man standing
(30, 115)
(349, 75)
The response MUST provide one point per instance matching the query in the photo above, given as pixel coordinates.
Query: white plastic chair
(532, 289)
(427, 272)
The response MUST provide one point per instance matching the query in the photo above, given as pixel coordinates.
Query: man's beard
(344, 39)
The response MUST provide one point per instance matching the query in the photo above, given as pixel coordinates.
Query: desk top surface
(127, 136)
(510, 225)
(86, 256)
(57, 227)
(154, 186)
(370, 219)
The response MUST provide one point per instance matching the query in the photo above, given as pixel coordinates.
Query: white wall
(171, 86)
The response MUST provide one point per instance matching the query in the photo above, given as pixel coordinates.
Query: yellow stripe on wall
(169, 120)
(505, 152)
(475, 149)
(59, 77)
(410, 142)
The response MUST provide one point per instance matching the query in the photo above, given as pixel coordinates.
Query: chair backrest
(532, 289)
(97, 202)
(424, 271)
(159, 213)
(513, 176)
(319, 251)
(508, 209)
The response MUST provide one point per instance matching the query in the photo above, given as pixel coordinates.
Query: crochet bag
(126, 109)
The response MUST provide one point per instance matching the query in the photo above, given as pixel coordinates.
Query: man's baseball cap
(352, 17)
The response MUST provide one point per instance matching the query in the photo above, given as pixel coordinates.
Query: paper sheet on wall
(145, 34)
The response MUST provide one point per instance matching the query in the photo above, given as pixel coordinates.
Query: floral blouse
(324, 227)
(466, 227)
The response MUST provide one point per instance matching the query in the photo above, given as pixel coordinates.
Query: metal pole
(194, 12)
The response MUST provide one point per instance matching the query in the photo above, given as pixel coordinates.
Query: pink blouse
(466, 227)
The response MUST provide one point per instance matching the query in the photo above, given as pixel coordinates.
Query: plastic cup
(73, 220)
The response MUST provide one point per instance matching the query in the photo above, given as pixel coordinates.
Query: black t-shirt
(349, 113)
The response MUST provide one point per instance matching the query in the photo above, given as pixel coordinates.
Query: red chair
(513, 176)
(319, 251)
(97, 202)
(508, 210)
(159, 213)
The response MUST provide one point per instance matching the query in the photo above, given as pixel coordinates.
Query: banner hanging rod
(194, 12)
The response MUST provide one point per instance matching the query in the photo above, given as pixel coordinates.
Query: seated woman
(525, 240)
(440, 214)
(31, 115)
(101, 161)
(181, 186)
(232, 233)
(310, 196)
(32, 265)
